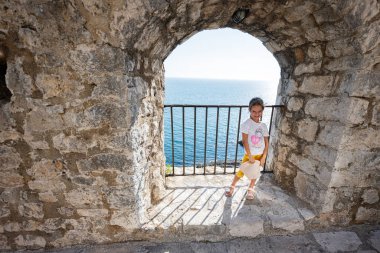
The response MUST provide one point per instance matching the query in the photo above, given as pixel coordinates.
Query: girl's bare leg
(250, 189)
(232, 187)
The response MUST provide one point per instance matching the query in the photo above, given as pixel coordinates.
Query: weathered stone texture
(81, 149)
(345, 110)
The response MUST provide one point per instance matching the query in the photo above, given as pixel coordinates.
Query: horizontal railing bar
(212, 174)
(232, 106)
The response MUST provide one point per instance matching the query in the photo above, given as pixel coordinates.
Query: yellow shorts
(240, 173)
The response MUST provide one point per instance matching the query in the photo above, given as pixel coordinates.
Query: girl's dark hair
(256, 101)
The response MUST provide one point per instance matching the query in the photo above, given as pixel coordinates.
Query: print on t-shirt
(256, 137)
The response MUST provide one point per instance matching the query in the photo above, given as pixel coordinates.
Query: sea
(211, 143)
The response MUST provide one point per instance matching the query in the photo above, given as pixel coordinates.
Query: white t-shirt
(256, 133)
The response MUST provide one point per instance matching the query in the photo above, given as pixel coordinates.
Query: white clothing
(256, 133)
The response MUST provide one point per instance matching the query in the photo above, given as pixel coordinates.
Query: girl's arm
(264, 157)
(246, 148)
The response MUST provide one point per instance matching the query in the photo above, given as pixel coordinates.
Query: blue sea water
(209, 92)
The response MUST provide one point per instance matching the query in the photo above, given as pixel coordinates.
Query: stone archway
(81, 139)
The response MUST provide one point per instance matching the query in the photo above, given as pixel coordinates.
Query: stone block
(362, 84)
(317, 85)
(93, 212)
(284, 216)
(306, 213)
(307, 129)
(370, 196)
(12, 227)
(43, 118)
(9, 159)
(92, 58)
(344, 63)
(362, 11)
(16, 76)
(331, 135)
(289, 141)
(30, 242)
(365, 214)
(246, 226)
(103, 162)
(47, 197)
(313, 168)
(345, 110)
(120, 198)
(307, 68)
(291, 88)
(374, 239)
(361, 160)
(66, 211)
(297, 13)
(8, 135)
(314, 52)
(58, 85)
(11, 180)
(84, 198)
(103, 114)
(370, 37)
(360, 139)
(4, 243)
(321, 153)
(286, 126)
(113, 87)
(376, 115)
(294, 104)
(340, 47)
(325, 14)
(353, 177)
(31, 210)
(309, 189)
(4, 210)
(338, 241)
(125, 219)
(47, 185)
(68, 144)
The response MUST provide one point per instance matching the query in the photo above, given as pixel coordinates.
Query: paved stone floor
(197, 203)
(362, 239)
(195, 216)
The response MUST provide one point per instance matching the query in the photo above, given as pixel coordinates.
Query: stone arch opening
(215, 67)
(317, 61)
(87, 84)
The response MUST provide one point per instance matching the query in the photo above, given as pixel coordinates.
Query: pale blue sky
(222, 54)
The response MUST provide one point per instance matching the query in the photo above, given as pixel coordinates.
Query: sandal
(230, 192)
(250, 195)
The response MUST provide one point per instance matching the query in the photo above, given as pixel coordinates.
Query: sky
(222, 54)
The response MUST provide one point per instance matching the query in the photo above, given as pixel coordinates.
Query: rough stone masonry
(81, 109)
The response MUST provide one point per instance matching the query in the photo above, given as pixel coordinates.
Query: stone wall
(82, 134)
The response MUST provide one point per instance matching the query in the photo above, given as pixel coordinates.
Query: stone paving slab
(301, 243)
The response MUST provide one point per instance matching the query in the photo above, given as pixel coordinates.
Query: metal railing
(226, 165)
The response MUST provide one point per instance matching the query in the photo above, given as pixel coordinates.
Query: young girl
(255, 141)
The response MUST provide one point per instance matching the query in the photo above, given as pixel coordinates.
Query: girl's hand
(251, 159)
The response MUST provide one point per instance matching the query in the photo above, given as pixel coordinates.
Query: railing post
(195, 134)
(228, 130)
(172, 128)
(205, 151)
(183, 140)
(216, 138)
(237, 139)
